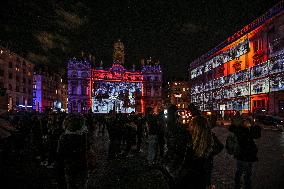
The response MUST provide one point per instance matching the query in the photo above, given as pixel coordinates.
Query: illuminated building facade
(49, 92)
(116, 88)
(178, 93)
(79, 85)
(245, 72)
(16, 75)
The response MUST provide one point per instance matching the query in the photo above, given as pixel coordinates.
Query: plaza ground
(132, 172)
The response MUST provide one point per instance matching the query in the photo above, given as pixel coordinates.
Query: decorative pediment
(117, 68)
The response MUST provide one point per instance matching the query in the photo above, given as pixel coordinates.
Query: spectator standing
(177, 139)
(161, 133)
(131, 130)
(72, 149)
(246, 155)
(152, 127)
(198, 161)
(140, 131)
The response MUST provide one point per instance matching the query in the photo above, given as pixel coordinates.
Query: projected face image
(116, 96)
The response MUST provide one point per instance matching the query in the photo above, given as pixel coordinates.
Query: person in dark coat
(114, 127)
(130, 135)
(176, 139)
(247, 151)
(72, 151)
(139, 133)
(161, 133)
(152, 128)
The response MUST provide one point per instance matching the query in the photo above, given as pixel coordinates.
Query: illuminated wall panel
(260, 86)
(118, 96)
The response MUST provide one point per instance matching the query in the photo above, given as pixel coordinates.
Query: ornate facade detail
(116, 88)
(79, 85)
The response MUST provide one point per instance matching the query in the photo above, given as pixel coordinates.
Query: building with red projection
(115, 88)
(245, 72)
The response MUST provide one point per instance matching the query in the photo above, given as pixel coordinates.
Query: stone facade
(49, 91)
(16, 76)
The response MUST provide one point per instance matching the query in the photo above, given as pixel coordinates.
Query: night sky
(49, 32)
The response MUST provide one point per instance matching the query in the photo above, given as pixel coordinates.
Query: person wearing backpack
(245, 150)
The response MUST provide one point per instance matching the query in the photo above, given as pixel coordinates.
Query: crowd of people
(183, 152)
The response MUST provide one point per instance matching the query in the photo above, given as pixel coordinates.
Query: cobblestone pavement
(268, 172)
(133, 173)
(123, 173)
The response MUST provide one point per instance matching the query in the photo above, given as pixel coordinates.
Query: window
(74, 90)
(84, 74)
(10, 65)
(10, 76)
(84, 90)
(17, 78)
(10, 87)
(255, 46)
(258, 103)
(24, 80)
(17, 88)
(24, 90)
(258, 44)
(263, 103)
(74, 103)
(30, 81)
(17, 101)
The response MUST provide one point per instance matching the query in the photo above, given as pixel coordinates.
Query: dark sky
(48, 32)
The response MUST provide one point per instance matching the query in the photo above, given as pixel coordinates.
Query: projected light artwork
(93, 87)
(118, 96)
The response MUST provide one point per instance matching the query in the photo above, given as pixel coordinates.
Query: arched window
(84, 74)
